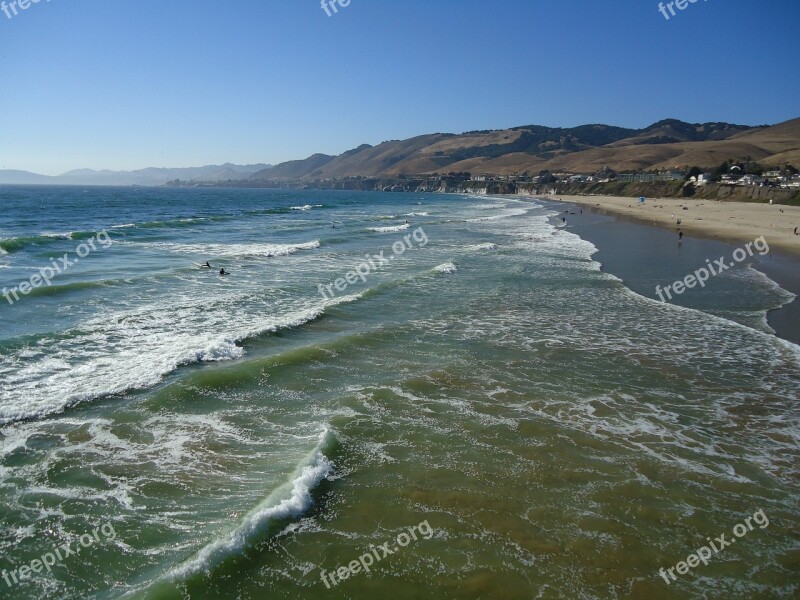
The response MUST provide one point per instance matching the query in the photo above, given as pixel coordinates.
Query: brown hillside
(668, 144)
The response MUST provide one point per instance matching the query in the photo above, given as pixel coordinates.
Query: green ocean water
(562, 436)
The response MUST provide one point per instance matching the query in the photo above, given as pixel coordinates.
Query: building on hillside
(651, 177)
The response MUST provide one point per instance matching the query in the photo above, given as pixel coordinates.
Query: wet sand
(644, 256)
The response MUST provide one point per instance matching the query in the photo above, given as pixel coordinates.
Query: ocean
(374, 362)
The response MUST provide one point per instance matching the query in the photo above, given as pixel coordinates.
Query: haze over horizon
(159, 85)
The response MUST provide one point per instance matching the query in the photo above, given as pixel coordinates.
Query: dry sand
(729, 221)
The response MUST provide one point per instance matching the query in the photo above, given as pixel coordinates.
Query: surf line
(45, 275)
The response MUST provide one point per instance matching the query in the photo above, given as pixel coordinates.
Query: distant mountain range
(150, 176)
(528, 149)
(533, 148)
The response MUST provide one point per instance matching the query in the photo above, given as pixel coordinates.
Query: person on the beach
(795, 230)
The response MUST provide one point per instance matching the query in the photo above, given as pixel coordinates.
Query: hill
(532, 148)
(527, 149)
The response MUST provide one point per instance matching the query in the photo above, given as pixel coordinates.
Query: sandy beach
(730, 221)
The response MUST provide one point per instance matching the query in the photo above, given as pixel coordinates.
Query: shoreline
(732, 222)
(643, 255)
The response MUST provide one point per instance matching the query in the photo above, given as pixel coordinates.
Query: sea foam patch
(234, 250)
(390, 229)
(446, 268)
(290, 501)
(135, 349)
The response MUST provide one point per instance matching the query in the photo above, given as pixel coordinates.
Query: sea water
(243, 435)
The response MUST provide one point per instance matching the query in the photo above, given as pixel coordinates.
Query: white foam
(125, 226)
(487, 246)
(391, 228)
(306, 207)
(281, 504)
(114, 353)
(345, 299)
(509, 212)
(417, 214)
(749, 273)
(447, 267)
(233, 250)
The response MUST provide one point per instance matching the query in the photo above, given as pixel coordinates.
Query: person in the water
(208, 265)
(223, 272)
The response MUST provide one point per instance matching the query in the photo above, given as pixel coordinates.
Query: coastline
(733, 222)
(644, 256)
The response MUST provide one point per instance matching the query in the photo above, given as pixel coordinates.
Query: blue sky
(113, 84)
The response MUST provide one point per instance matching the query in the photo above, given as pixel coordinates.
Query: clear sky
(113, 84)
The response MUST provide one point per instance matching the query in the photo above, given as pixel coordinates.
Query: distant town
(783, 184)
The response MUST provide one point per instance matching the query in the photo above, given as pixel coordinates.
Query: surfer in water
(206, 266)
(223, 272)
